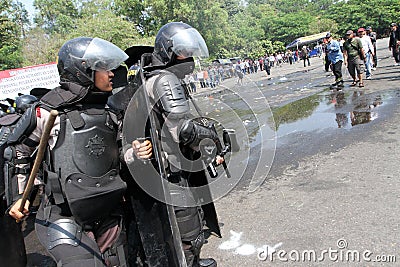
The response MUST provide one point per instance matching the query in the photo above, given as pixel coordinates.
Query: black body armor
(85, 164)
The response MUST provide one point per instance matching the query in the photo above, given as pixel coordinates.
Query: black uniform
(178, 136)
(12, 247)
(83, 194)
(80, 219)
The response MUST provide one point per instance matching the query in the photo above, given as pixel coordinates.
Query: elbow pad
(170, 94)
(191, 133)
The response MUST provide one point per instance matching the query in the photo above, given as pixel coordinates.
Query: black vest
(85, 162)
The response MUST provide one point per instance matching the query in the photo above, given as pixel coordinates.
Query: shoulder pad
(24, 126)
(169, 92)
(9, 119)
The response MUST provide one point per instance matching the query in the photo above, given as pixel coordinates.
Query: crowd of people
(212, 76)
(356, 51)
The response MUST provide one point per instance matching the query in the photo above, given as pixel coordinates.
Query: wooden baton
(39, 157)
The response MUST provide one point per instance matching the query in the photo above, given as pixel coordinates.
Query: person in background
(373, 37)
(327, 63)
(394, 42)
(368, 49)
(354, 57)
(305, 56)
(335, 56)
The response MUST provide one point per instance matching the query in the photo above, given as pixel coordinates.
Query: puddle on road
(330, 110)
(318, 112)
(338, 111)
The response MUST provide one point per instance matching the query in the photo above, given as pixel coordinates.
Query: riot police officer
(12, 247)
(175, 46)
(80, 220)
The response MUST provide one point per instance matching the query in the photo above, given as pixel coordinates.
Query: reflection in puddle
(328, 110)
(363, 109)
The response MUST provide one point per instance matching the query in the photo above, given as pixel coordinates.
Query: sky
(29, 7)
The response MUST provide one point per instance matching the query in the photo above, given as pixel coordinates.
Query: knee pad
(190, 223)
(67, 244)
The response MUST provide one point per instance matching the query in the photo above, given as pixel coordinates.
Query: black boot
(195, 261)
(209, 262)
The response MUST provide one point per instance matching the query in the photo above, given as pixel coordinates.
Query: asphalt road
(332, 195)
(322, 192)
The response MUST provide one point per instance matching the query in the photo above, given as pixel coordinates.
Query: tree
(232, 7)
(353, 14)
(229, 27)
(56, 16)
(10, 43)
(287, 27)
(108, 26)
(40, 48)
(20, 16)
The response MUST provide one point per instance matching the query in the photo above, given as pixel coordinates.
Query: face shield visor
(103, 55)
(189, 43)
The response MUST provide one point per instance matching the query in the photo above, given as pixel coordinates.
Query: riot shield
(155, 219)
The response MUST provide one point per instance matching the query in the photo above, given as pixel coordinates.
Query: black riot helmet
(179, 39)
(78, 58)
(23, 102)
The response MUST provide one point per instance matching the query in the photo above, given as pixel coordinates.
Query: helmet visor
(189, 43)
(103, 55)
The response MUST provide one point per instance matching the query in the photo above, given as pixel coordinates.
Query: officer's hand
(219, 160)
(142, 150)
(16, 214)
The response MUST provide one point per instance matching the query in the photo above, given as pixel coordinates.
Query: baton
(39, 157)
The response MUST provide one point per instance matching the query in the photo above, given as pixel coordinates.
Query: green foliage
(230, 27)
(353, 14)
(10, 42)
(40, 48)
(56, 16)
(108, 26)
(287, 27)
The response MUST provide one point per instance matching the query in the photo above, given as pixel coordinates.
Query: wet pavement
(299, 107)
(333, 184)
